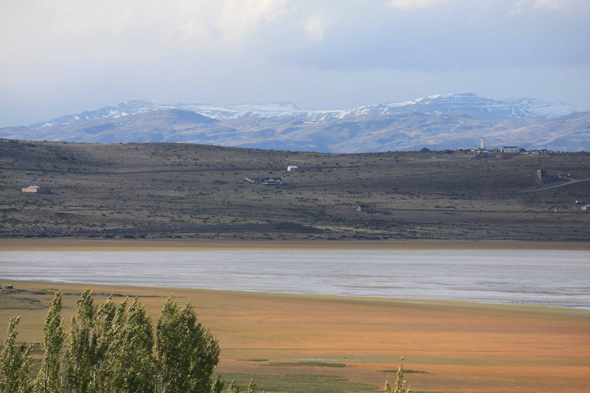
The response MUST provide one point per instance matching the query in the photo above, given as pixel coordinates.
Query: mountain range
(437, 122)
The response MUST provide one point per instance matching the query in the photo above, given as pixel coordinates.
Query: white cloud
(315, 27)
(240, 17)
(548, 3)
(409, 4)
(194, 30)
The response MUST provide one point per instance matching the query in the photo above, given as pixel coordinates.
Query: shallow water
(557, 278)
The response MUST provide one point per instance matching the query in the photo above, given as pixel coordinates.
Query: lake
(556, 278)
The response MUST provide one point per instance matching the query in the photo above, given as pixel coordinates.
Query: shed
(586, 207)
(292, 168)
(37, 190)
(272, 181)
(366, 208)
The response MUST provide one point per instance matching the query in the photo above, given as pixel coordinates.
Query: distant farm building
(272, 181)
(510, 150)
(37, 190)
(366, 208)
(541, 174)
(586, 207)
(292, 168)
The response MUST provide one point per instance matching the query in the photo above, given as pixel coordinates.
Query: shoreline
(11, 245)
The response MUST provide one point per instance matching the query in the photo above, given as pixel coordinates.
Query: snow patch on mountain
(466, 103)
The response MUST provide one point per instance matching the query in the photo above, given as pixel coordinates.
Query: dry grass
(459, 347)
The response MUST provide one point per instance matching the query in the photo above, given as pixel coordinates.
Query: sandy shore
(191, 245)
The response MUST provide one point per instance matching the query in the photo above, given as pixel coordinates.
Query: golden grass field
(449, 346)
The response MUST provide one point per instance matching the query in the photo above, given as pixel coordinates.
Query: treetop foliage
(111, 348)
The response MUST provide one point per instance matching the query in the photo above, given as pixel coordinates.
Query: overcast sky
(65, 56)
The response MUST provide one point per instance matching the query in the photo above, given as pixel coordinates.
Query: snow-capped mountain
(466, 103)
(437, 122)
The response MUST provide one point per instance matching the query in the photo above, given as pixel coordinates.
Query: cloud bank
(61, 56)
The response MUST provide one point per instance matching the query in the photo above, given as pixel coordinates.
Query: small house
(291, 168)
(586, 207)
(37, 190)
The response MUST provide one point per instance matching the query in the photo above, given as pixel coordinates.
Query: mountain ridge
(441, 121)
(489, 109)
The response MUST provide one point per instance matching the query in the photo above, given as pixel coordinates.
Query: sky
(65, 56)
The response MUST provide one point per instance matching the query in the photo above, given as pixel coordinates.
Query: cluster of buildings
(504, 150)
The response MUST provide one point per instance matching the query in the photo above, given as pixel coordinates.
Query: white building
(292, 168)
(586, 207)
(36, 189)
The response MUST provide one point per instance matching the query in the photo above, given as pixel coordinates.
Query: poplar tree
(49, 376)
(15, 362)
(109, 349)
(400, 382)
(106, 318)
(80, 355)
(252, 387)
(132, 353)
(387, 387)
(217, 386)
(233, 387)
(186, 352)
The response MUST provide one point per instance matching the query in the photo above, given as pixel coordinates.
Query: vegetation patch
(9, 302)
(254, 360)
(297, 383)
(309, 364)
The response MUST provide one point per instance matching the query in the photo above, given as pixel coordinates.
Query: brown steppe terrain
(448, 346)
(199, 193)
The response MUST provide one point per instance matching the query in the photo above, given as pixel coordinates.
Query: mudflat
(448, 346)
(195, 245)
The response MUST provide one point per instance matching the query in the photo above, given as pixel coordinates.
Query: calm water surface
(557, 278)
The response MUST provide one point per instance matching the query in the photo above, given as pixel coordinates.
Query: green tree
(132, 353)
(15, 362)
(186, 352)
(252, 387)
(107, 321)
(400, 382)
(233, 387)
(49, 376)
(80, 355)
(387, 387)
(217, 386)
